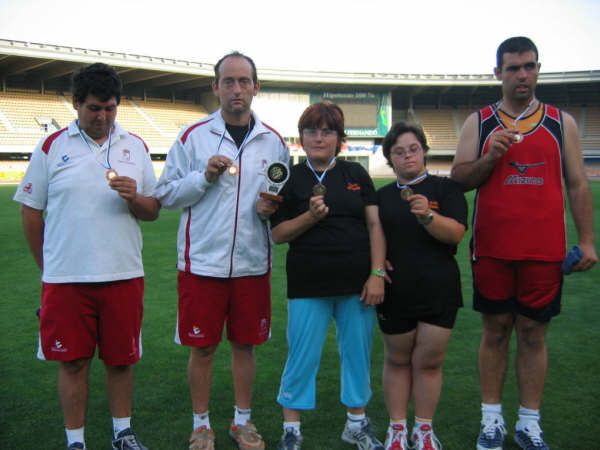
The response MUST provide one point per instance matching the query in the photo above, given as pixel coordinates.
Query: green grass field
(30, 415)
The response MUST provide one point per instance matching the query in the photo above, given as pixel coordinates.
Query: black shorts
(397, 324)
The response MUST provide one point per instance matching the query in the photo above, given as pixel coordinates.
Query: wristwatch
(427, 220)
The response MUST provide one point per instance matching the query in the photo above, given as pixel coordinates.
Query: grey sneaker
(127, 440)
(364, 439)
(290, 440)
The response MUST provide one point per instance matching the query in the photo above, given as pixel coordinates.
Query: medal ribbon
(413, 181)
(241, 146)
(320, 178)
(81, 134)
(519, 117)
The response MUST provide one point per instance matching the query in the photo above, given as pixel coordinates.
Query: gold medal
(110, 174)
(406, 192)
(319, 189)
(233, 170)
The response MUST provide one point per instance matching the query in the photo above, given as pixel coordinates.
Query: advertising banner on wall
(367, 114)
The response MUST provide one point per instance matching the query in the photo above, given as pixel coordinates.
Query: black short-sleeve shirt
(425, 279)
(332, 257)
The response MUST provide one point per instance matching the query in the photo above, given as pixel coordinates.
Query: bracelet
(378, 272)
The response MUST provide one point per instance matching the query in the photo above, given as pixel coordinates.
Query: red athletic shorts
(205, 303)
(75, 317)
(534, 284)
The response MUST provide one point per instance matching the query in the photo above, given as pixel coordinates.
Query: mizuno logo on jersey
(522, 168)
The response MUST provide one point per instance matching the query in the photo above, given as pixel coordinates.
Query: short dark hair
(517, 44)
(324, 113)
(236, 54)
(397, 130)
(97, 79)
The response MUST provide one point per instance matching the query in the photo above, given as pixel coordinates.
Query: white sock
(527, 415)
(120, 424)
(491, 408)
(75, 435)
(201, 420)
(241, 416)
(293, 425)
(354, 421)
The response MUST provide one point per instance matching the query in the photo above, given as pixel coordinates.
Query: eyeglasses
(325, 132)
(404, 152)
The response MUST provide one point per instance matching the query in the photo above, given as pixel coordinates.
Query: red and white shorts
(77, 317)
(206, 303)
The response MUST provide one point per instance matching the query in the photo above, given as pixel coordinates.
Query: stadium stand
(162, 94)
(440, 129)
(27, 116)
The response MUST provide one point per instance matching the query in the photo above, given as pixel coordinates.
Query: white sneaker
(396, 437)
(424, 439)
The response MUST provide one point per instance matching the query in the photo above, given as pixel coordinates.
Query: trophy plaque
(276, 176)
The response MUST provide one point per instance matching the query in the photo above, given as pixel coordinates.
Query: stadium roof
(49, 67)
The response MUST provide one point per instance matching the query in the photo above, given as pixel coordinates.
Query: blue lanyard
(108, 166)
(320, 178)
(413, 181)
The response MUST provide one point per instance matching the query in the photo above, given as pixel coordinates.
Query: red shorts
(75, 317)
(533, 284)
(205, 303)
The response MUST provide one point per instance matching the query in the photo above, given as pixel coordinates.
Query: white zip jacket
(220, 233)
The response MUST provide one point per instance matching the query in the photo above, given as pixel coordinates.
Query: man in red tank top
(518, 153)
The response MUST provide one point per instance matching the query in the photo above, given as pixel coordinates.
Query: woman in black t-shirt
(334, 269)
(424, 217)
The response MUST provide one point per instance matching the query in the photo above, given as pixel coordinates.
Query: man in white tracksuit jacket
(214, 172)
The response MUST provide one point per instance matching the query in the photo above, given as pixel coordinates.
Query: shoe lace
(398, 437)
(426, 440)
(490, 425)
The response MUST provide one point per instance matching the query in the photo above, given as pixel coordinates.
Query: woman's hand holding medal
(419, 206)
(317, 207)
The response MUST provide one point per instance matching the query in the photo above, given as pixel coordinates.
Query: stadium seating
(26, 117)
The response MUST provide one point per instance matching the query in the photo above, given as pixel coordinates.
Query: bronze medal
(319, 189)
(110, 174)
(406, 192)
(233, 170)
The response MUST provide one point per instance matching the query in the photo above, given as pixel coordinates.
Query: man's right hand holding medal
(217, 164)
(317, 207)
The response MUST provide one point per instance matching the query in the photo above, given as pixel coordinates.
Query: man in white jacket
(215, 172)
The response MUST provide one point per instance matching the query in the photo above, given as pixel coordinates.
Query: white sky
(394, 36)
